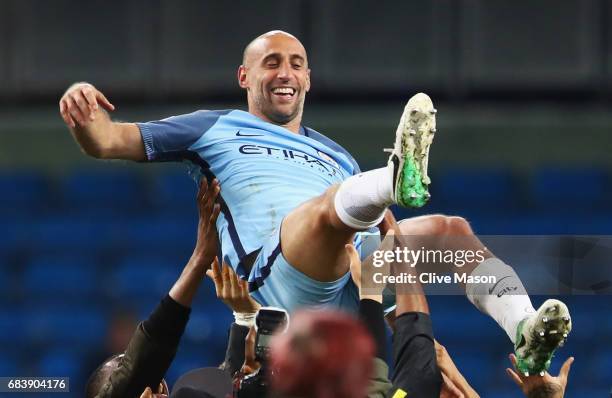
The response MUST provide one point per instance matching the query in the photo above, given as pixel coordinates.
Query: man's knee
(319, 211)
(459, 226)
(437, 224)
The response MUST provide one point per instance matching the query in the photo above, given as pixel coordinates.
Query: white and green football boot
(539, 335)
(410, 154)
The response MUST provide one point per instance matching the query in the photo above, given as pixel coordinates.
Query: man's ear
(242, 77)
(308, 81)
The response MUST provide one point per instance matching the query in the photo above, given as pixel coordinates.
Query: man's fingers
(74, 111)
(225, 277)
(565, 369)
(90, 97)
(451, 388)
(214, 274)
(213, 189)
(388, 241)
(209, 198)
(202, 190)
(215, 214)
(244, 287)
(515, 377)
(104, 101)
(234, 286)
(81, 102)
(65, 114)
(513, 360)
(147, 393)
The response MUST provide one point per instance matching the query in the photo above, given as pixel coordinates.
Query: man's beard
(282, 118)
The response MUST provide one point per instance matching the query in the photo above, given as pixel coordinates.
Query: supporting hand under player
(547, 386)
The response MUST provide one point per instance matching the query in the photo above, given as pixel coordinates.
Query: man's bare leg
(313, 239)
(313, 236)
(506, 301)
(536, 335)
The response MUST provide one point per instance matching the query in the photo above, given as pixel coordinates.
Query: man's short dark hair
(101, 375)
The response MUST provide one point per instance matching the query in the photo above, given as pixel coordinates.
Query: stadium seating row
(123, 189)
(77, 247)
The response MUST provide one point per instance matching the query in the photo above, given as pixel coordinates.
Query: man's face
(276, 76)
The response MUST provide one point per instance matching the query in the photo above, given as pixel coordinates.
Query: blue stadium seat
(12, 324)
(23, 192)
(499, 393)
(572, 190)
(602, 369)
(209, 324)
(476, 365)
(104, 191)
(172, 235)
(66, 275)
(461, 190)
(544, 222)
(144, 276)
(9, 365)
(74, 325)
(6, 279)
(175, 192)
(458, 307)
(60, 362)
(575, 389)
(68, 233)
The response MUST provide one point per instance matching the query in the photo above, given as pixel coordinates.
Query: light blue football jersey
(264, 170)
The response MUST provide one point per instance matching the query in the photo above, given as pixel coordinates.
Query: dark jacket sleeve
(416, 368)
(150, 351)
(234, 355)
(372, 315)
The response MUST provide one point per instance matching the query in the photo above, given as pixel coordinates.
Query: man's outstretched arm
(154, 343)
(84, 110)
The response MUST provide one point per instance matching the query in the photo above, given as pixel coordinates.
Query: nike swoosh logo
(248, 135)
(494, 286)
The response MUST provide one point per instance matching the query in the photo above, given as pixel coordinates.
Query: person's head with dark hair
(323, 354)
(100, 376)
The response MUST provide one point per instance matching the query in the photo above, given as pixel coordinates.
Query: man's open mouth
(284, 92)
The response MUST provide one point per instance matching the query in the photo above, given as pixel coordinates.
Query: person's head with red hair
(323, 354)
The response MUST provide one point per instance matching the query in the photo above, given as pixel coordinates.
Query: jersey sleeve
(168, 139)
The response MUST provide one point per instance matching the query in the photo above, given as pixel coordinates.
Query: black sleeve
(372, 315)
(234, 355)
(414, 355)
(167, 322)
(150, 351)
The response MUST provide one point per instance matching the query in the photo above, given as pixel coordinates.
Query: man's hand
(148, 393)
(366, 271)
(80, 103)
(208, 240)
(546, 386)
(232, 290)
(454, 384)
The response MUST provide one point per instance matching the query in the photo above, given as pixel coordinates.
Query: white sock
(506, 301)
(362, 199)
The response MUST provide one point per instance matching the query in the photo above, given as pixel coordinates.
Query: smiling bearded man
(283, 182)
